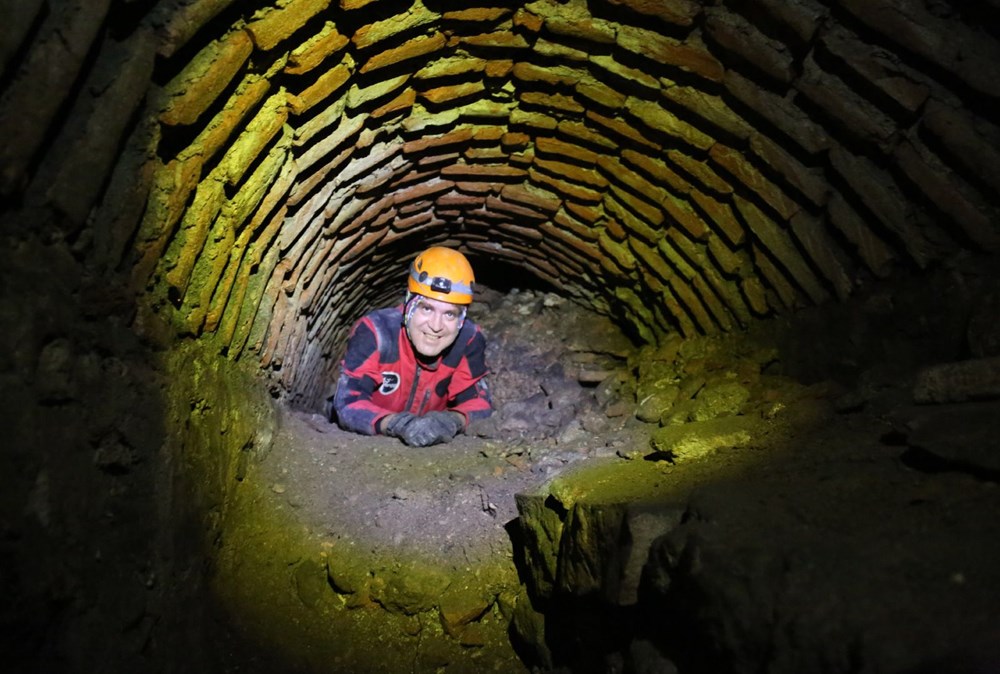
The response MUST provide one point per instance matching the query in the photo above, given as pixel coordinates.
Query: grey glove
(430, 429)
(397, 422)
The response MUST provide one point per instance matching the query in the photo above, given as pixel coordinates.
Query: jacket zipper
(423, 405)
(413, 389)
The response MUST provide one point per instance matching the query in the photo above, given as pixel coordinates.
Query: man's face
(433, 326)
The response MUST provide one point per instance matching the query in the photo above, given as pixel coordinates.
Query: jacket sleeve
(471, 395)
(353, 399)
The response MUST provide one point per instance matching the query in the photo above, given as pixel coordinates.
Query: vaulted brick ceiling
(264, 171)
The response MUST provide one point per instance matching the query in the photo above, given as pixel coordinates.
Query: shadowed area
(739, 280)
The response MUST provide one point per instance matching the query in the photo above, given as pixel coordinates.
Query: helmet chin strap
(410, 305)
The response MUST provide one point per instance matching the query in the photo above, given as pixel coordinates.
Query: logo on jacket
(390, 382)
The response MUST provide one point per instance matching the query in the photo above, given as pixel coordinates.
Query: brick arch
(694, 167)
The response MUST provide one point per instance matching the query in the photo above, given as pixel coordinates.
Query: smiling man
(417, 371)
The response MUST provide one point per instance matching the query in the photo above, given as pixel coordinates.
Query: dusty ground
(720, 429)
(450, 503)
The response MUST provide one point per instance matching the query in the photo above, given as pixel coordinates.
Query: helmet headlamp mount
(442, 274)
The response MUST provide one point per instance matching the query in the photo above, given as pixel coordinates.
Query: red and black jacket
(380, 374)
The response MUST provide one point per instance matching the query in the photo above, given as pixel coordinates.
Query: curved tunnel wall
(264, 171)
(259, 173)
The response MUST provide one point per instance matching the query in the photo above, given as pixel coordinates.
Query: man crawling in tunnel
(417, 371)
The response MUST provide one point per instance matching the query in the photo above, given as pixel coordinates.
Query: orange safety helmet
(442, 274)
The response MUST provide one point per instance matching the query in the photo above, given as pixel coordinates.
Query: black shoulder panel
(388, 323)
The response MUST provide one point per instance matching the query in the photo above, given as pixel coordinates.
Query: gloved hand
(432, 428)
(396, 423)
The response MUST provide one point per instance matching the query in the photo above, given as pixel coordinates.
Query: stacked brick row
(680, 166)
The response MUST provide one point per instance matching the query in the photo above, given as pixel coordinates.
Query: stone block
(257, 135)
(710, 108)
(370, 34)
(535, 120)
(801, 18)
(567, 190)
(697, 440)
(661, 120)
(742, 169)
(780, 245)
(653, 406)
(616, 252)
(75, 171)
(477, 14)
(637, 216)
(555, 76)
(554, 102)
(315, 50)
(541, 521)
(881, 71)
(499, 206)
(614, 229)
(948, 193)
(359, 97)
(875, 253)
(601, 94)
(849, 110)
(278, 23)
(972, 141)
(683, 215)
(451, 66)
(528, 20)
(416, 47)
(879, 193)
(782, 293)
(729, 261)
(553, 146)
(621, 128)
(755, 294)
(498, 68)
(533, 198)
(581, 26)
(690, 57)
(970, 54)
(679, 12)
(738, 36)
(190, 237)
(709, 286)
(663, 177)
(619, 174)
(631, 78)
(560, 51)
(44, 80)
(404, 101)
(219, 130)
(585, 177)
(498, 172)
(197, 87)
(824, 251)
(780, 111)
(720, 215)
(325, 86)
(810, 182)
(963, 435)
(973, 379)
(440, 96)
(495, 40)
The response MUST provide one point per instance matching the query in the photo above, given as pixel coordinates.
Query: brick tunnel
(201, 196)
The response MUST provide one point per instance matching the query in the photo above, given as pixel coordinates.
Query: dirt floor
(807, 428)
(450, 503)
